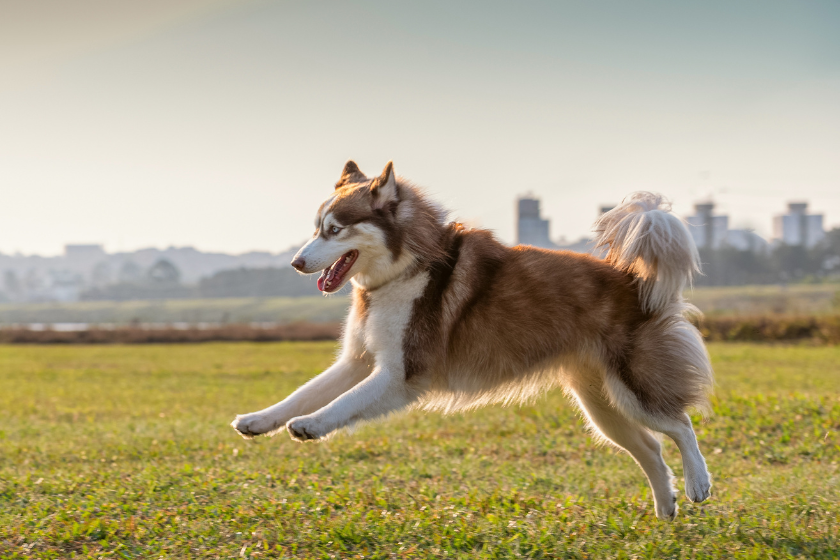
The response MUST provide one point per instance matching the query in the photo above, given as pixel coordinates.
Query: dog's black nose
(299, 263)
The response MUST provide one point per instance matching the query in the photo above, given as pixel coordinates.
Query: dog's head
(369, 230)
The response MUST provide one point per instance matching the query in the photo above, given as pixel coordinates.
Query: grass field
(125, 452)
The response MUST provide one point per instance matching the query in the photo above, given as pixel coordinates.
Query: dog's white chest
(391, 307)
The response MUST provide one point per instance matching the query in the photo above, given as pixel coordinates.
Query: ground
(126, 452)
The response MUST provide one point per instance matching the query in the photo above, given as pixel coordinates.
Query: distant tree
(130, 272)
(101, 274)
(795, 262)
(258, 282)
(830, 253)
(729, 266)
(138, 292)
(11, 283)
(164, 272)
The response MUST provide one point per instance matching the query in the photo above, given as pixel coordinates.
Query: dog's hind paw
(699, 489)
(667, 509)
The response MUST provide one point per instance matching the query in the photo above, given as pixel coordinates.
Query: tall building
(708, 230)
(712, 232)
(746, 240)
(84, 255)
(797, 227)
(531, 228)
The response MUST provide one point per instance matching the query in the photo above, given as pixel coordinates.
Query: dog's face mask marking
(355, 229)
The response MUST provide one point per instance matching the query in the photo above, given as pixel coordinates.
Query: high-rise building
(84, 253)
(712, 231)
(531, 228)
(708, 230)
(797, 227)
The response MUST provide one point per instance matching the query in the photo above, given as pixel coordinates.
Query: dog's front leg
(334, 381)
(384, 391)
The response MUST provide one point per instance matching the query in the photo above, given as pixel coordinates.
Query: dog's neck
(408, 264)
(385, 273)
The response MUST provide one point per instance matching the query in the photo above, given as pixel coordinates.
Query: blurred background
(161, 161)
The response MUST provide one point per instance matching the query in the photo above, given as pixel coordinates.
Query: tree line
(782, 263)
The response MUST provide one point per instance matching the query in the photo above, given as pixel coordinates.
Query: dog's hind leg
(636, 440)
(320, 391)
(698, 482)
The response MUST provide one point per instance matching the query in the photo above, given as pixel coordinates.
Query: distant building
(746, 240)
(582, 245)
(531, 228)
(708, 230)
(712, 231)
(798, 228)
(84, 253)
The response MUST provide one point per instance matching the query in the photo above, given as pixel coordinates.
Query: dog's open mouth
(332, 276)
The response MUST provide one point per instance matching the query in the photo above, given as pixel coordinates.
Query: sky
(222, 124)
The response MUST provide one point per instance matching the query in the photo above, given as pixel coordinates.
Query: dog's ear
(350, 174)
(384, 188)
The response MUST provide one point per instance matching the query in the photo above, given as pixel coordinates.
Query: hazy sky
(223, 124)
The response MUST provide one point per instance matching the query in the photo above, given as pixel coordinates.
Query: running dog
(448, 318)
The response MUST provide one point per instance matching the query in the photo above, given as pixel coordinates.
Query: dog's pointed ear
(384, 188)
(350, 174)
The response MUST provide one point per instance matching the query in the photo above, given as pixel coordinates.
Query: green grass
(125, 452)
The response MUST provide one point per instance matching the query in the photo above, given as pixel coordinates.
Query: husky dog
(448, 318)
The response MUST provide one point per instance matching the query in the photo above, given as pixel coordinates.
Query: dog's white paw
(254, 424)
(667, 509)
(305, 428)
(698, 488)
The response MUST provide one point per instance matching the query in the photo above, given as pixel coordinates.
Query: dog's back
(518, 319)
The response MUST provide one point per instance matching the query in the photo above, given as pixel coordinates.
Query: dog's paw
(698, 488)
(667, 509)
(304, 428)
(250, 425)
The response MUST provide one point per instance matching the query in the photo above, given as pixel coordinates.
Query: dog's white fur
(651, 255)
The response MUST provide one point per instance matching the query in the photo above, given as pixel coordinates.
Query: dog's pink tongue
(322, 279)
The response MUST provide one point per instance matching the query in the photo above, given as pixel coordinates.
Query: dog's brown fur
(505, 311)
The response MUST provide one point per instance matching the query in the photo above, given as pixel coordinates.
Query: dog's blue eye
(336, 229)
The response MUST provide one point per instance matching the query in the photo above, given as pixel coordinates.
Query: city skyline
(88, 271)
(543, 223)
(222, 125)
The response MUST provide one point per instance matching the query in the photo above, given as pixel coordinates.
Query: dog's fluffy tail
(650, 242)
